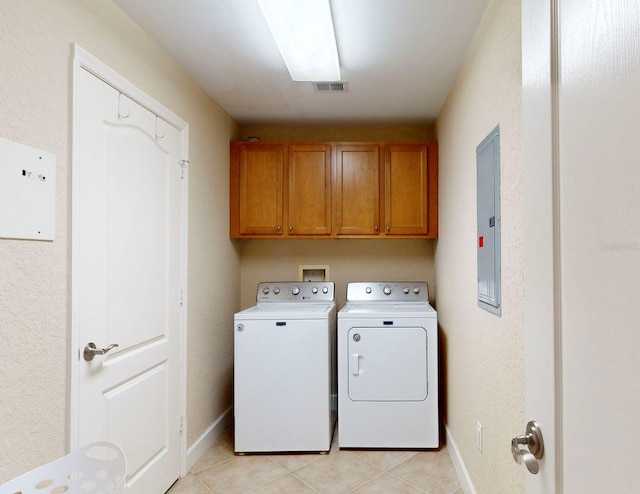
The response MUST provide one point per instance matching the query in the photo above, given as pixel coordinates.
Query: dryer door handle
(355, 364)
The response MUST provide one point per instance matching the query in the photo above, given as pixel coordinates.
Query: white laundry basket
(97, 468)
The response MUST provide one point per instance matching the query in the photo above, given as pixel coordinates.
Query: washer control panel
(392, 291)
(296, 291)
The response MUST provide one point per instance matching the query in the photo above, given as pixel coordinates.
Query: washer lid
(308, 310)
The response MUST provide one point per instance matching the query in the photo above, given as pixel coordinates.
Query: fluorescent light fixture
(303, 30)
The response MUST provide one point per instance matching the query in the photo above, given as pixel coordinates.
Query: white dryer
(388, 367)
(285, 384)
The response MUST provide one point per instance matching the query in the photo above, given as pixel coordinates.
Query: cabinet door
(260, 189)
(409, 205)
(358, 189)
(309, 190)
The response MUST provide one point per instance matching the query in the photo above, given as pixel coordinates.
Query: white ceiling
(399, 57)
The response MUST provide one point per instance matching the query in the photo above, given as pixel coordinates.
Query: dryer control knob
(325, 290)
(416, 290)
(314, 290)
(276, 290)
(406, 290)
(368, 289)
(295, 290)
(387, 290)
(265, 290)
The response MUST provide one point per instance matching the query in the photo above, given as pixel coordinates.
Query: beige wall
(393, 133)
(35, 109)
(483, 366)
(348, 260)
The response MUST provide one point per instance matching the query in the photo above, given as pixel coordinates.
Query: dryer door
(388, 364)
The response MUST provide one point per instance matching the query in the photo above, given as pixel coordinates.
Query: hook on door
(533, 441)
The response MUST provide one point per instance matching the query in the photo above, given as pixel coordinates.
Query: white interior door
(583, 239)
(542, 372)
(127, 281)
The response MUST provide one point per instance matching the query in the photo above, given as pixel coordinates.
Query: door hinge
(181, 297)
(181, 424)
(183, 165)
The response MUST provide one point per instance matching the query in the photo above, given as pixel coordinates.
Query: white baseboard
(208, 437)
(458, 464)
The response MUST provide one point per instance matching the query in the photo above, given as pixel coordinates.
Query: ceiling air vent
(330, 87)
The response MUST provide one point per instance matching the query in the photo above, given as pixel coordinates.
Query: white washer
(388, 367)
(285, 383)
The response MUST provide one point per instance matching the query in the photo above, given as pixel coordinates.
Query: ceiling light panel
(303, 31)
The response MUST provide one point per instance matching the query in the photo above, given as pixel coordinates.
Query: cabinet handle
(388, 228)
(290, 228)
(375, 228)
(278, 228)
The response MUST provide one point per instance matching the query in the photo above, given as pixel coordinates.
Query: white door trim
(83, 60)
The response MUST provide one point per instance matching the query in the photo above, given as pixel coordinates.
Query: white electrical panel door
(387, 364)
(27, 192)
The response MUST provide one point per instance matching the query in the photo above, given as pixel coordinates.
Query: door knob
(91, 351)
(533, 441)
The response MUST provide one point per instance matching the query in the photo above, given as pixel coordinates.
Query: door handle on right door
(533, 441)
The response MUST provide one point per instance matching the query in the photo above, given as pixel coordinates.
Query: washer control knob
(240, 328)
(416, 290)
(314, 290)
(265, 290)
(295, 290)
(406, 290)
(325, 290)
(368, 289)
(387, 290)
(276, 290)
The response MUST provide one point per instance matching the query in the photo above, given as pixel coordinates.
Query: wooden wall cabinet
(258, 189)
(411, 190)
(334, 190)
(280, 190)
(308, 194)
(358, 189)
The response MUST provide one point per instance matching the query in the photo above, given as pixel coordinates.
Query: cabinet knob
(375, 228)
(388, 228)
(278, 228)
(290, 228)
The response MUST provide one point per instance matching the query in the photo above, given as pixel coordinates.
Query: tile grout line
(367, 481)
(409, 483)
(287, 471)
(204, 485)
(310, 487)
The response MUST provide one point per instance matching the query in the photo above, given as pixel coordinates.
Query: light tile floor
(220, 471)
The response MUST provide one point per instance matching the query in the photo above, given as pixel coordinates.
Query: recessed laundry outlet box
(315, 272)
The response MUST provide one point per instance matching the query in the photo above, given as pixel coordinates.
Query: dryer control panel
(296, 291)
(393, 291)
